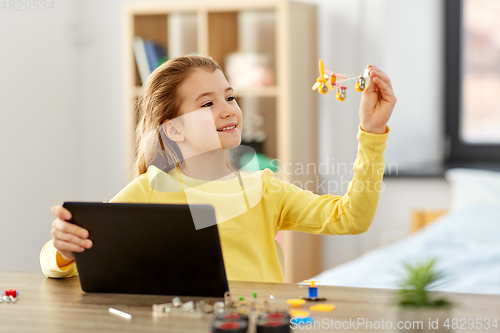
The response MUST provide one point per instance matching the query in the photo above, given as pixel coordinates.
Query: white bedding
(465, 242)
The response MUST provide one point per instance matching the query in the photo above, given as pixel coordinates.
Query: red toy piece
(11, 292)
(230, 322)
(273, 322)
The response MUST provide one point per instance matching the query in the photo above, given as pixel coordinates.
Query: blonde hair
(160, 101)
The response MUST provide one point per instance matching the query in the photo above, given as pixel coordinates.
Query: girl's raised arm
(352, 213)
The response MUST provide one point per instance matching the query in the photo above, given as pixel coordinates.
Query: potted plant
(421, 310)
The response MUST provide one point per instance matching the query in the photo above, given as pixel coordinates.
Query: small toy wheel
(360, 84)
(323, 89)
(340, 96)
(360, 87)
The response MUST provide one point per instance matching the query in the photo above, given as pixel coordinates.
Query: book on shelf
(148, 56)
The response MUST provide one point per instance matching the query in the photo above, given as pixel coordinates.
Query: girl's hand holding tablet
(67, 237)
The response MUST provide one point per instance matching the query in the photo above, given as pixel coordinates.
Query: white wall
(40, 130)
(61, 100)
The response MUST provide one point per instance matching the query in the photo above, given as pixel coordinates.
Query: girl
(189, 122)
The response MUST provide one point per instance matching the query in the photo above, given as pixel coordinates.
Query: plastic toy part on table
(237, 316)
(9, 295)
(322, 307)
(328, 81)
(120, 313)
(301, 320)
(187, 309)
(231, 322)
(273, 322)
(313, 292)
(296, 302)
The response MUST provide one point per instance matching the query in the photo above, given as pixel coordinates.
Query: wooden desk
(59, 305)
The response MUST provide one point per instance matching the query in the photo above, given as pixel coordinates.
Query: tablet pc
(149, 249)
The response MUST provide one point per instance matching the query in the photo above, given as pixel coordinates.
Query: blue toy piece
(313, 292)
(305, 320)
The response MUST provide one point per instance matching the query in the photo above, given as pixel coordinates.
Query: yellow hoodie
(251, 209)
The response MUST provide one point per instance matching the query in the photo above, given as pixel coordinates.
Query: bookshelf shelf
(284, 31)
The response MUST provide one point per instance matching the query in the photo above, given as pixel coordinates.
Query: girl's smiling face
(209, 116)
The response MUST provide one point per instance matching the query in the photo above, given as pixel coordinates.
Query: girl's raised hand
(68, 237)
(377, 102)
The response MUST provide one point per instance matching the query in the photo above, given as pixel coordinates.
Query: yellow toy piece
(321, 82)
(322, 307)
(312, 282)
(296, 302)
(298, 314)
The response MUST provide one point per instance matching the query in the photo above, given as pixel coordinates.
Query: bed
(465, 240)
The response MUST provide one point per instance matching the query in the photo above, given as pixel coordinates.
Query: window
(473, 83)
